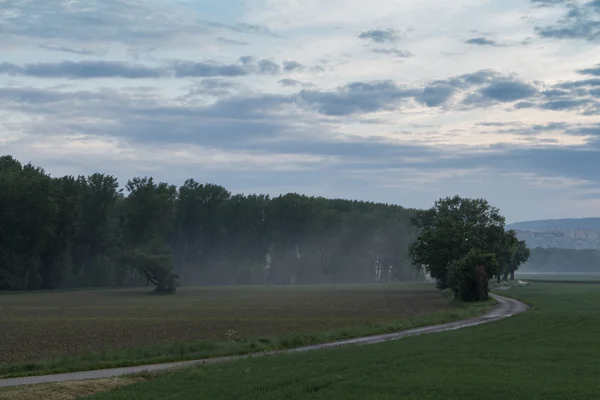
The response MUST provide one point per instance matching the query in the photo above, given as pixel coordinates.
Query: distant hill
(584, 224)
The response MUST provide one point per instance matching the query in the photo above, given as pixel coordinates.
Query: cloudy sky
(393, 101)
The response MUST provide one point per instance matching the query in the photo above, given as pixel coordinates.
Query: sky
(400, 102)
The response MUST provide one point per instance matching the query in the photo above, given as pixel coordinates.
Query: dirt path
(505, 307)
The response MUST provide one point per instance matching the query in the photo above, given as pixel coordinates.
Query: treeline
(58, 232)
(563, 260)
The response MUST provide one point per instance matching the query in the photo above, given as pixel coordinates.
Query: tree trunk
(85, 257)
(184, 255)
(512, 275)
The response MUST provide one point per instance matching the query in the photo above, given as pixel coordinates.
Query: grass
(83, 330)
(583, 277)
(550, 352)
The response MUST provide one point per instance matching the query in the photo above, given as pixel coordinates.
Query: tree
(99, 195)
(154, 261)
(82, 231)
(147, 221)
(506, 253)
(450, 230)
(468, 276)
(520, 256)
(197, 213)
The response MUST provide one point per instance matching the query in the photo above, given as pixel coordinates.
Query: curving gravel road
(505, 307)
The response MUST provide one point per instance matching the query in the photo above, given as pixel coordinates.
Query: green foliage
(73, 232)
(467, 281)
(153, 260)
(450, 230)
(456, 236)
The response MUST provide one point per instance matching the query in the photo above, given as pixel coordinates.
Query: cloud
(83, 70)
(481, 41)
(394, 52)
(241, 27)
(65, 49)
(225, 40)
(289, 66)
(569, 104)
(115, 69)
(380, 35)
(357, 97)
(578, 84)
(211, 86)
(502, 90)
(580, 21)
(435, 95)
(595, 71)
(549, 3)
(555, 93)
(293, 83)
(135, 23)
(505, 91)
(268, 67)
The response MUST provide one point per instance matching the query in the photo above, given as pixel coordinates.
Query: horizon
(389, 103)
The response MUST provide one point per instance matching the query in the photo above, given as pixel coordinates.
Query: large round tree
(450, 230)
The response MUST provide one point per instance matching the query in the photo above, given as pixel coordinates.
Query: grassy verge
(550, 352)
(211, 348)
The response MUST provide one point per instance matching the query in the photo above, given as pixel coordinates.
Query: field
(559, 277)
(550, 352)
(77, 330)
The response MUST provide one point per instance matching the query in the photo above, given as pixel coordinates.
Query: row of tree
(84, 231)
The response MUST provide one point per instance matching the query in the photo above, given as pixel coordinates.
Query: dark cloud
(435, 95)
(113, 69)
(578, 84)
(64, 49)
(394, 52)
(380, 35)
(524, 104)
(481, 41)
(468, 80)
(232, 41)
(506, 91)
(357, 97)
(570, 104)
(595, 92)
(290, 66)
(83, 70)
(502, 90)
(268, 67)
(27, 97)
(184, 69)
(290, 82)
(211, 86)
(591, 71)
(580, 21)
(555, 93)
